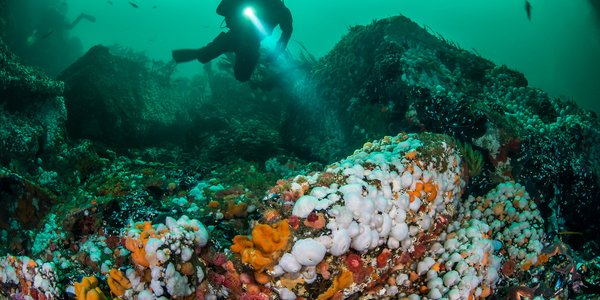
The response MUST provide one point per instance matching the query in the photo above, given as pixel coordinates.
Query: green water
(558, 50)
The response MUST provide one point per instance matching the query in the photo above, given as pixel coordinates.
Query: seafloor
(397, 166)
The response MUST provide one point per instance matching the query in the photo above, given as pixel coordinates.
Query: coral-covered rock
(164, 257)
(396, 228)
(117, 101)
(26, 205)
(386, 196)
(32, 112)
(393, 75)
(365, 87)
(389, 221)
(21, 276)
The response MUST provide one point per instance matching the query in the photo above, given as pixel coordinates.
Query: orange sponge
(118, 283)
(267, 240)
(137, 245)
(270, 239)
(138, 251)
(340, 282)
(88, 289)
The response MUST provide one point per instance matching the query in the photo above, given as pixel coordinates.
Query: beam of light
(249, 13)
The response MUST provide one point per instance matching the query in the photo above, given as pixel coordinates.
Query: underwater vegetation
(398, 166)
(473, 159)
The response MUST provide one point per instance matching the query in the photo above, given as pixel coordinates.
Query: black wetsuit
(243, 37)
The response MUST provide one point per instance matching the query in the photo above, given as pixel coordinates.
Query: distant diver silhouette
(528, 9)
(249, 22)
(51, 27)
(82, 16)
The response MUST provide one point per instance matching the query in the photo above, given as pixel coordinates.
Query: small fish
(110, 2)
(133, 4)
(528, 9)
(154, 6)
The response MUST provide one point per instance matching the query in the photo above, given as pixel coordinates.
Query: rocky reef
(389, 221)
(127, 101)
(108, 94)
(393, 75)
(374, 223)
(32, 118)
(33, 110)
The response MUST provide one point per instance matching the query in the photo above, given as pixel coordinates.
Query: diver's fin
(185, 55)
(79, 18)
(88, 17)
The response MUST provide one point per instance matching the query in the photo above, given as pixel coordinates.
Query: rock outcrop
(393, 75)
(32, 112)
(117, 101)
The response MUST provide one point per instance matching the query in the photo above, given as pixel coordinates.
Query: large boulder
(119, 102)
(32, 112)
(32, 117)
(393, 75)
(366, 86)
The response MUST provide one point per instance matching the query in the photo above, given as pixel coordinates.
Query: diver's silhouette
(41, 37)
(249, 22)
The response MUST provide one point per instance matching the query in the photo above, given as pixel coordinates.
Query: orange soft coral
(262, 249)
(138, 252)
(118, 283)
(340, 282)
(235, 210)
(416, 193)
(269, 239)
(137, 244)
(431, 190)
(88, 289)
(424, 190)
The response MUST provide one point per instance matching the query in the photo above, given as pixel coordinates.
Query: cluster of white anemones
(513, 221)
(505, 219)
(169, 256)
(392, 195)
(15, 271)
(380, 201)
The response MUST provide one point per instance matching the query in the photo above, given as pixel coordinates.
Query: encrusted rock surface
(117, 101)
(32, 112)
(393, 75)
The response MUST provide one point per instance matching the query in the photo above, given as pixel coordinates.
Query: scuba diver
(37, 36)
(249, 22)
(39, 33)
